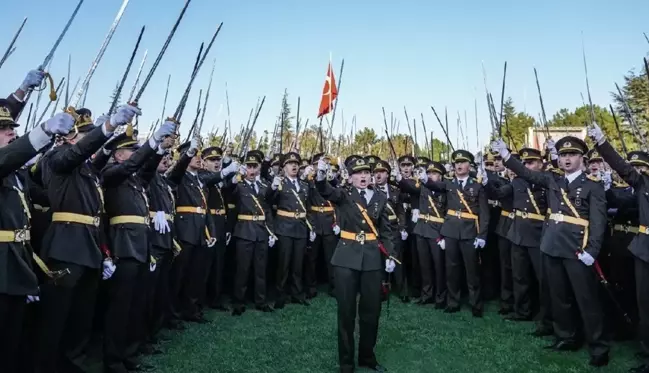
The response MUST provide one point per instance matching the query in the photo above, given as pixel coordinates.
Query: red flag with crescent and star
(329, 93)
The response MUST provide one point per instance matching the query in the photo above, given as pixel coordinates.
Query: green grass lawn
(412, 339)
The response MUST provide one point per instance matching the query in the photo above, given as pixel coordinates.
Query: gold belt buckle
(297, 215)
(511, 215)
(524, 214)
(96, 221)
(20, 235)
(321, 209)
(146, 220)
(458, 214)
(360, 237)
(558, 218)
(626, 228)
(255, 217)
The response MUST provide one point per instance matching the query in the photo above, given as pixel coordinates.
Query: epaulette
(622, 184)
(448, 177)
(262, 184)
(557, 171)
(593, 178)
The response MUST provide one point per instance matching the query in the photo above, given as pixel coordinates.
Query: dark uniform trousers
(179, 268)
(412, 276)
(433, 270)
(66, 321)
(161, 308)
(526, 262)
(399, 273)
(251, 253)
(585, 287)
(194, 287)
(459, 252)
(290, 264)
(642, 290)
(216, 278)
(506, 273)
(325, 244)
(348, 284)
(12, 311)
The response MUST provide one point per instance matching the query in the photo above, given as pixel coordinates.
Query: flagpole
(340, 79)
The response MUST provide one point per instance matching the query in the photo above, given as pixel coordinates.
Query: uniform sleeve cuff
(16, 97)
(105, 131)
(153, 144)
(38, 138)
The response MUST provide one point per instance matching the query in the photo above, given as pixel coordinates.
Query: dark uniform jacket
(623, 214)
(431, 205)
(16, 275)
(640, 183)
(475, 198)
(352, 254)
(126, 195)
(286, 199)
(324, 213)
(73, 187)
(396, 212)
(564, 239)
(248, 203)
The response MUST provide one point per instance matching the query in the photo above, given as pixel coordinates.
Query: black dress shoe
(311, 294)
(264, 308)
(542, 332)
(477, 312)
(451, 309)
(599, 360)
(517, 317)
(564, 345)
(505, 310)
(641, 369)
(238, 310)
(440, 306)
(375, 367)
(198, 318)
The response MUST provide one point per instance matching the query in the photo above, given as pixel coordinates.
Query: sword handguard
(53, 96)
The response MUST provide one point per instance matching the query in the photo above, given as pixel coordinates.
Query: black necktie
(461, 184)
(567, 183)
(363, 196)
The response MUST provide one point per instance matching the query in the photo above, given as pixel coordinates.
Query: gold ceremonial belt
(322, 209)
(217, 212)
(70, 217)
(129, 219)
(493, 202)
(392, 217)
(19, 235)
(190, 210)
(289, 214)
(643, 229)
(529, 215)
(431, 218)
(167, 216)
(231, 206)
(251, 217)
(626, 228)
(461, 215)
(358, 237)
(38, 207)
(507, 214)
(560, 218)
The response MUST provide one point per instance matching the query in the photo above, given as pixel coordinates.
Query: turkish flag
(329, 93)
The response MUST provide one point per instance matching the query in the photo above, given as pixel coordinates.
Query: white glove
(312, 236)
(551, 147)
(124, 115)
(308, 170)
(33, 79)
(234, 179)
(595, 133)
(479, 243)
(404, 235)
(322, 170)
(607, 179)
(586, 258)
(442, 244)
(336, 229)
(166, 129)
(243, 170)
(160, 223)
(390, 265)
(396, 175)
(423, 176)
(152, 267)
(101, 120)
(109, 269)
(59, 124)
(228, 237)
(415, 215)
(277, 181)
(500, 147)
(232, 168)
(33, 299)
(271, 241)
(193, 146)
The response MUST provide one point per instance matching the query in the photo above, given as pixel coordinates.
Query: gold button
(363, 221)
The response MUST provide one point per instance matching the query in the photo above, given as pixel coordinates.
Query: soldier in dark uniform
(293, 226)
(464, 230)
(570, 243)
(19, 284)
(74, 241)
(253, 232)
(489, 257)
(636, 174)
(406, 164)
(432, 207)
(396, 212)
(595, 162)
(324, 219)
(365, 233)
(127, 210)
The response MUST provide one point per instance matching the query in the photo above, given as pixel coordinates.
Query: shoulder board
(263, 184)
(593, 178)
(618, 184)
(448, 177)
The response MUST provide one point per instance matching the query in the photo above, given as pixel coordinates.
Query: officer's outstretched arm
(437, 186)
(535, 177)
(335, 195)
(617, 163)
(66, 160)
(410, 186)
(597, 216)
(175, 175)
